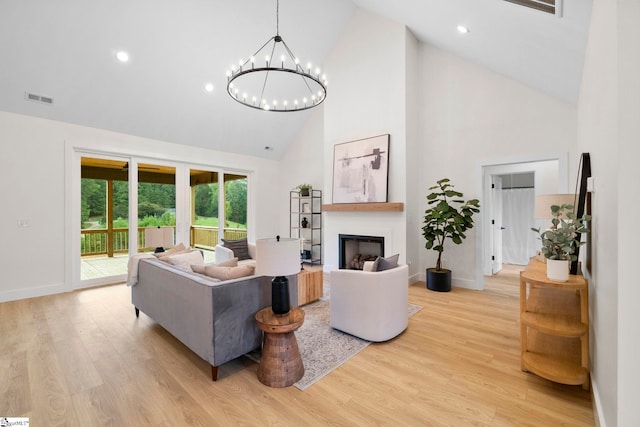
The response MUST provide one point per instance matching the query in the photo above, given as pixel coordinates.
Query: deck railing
(97, 241)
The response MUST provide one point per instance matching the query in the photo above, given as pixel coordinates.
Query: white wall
(33, 168)
(470, 117)
(302, 163)
(608, 129)
(367, 98)
(628, 208)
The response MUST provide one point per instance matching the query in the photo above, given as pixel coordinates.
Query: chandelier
(273, 79)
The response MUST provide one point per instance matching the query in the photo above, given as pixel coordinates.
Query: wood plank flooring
(83, 359)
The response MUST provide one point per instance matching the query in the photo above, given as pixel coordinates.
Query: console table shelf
(554, 326)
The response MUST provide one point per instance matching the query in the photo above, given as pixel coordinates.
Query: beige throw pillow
(228, 273)
(179, 248)
(233, 262)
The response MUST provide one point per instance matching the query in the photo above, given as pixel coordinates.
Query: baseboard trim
(18, 294)
(597, 405)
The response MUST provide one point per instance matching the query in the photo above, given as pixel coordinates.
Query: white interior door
(496, 223)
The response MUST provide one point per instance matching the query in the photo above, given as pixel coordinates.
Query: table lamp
(278, 258)
(158, 237)
(545, 201)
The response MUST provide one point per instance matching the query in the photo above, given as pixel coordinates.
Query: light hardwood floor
(83, 359)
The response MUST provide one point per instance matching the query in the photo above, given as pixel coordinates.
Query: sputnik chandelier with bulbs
(282, 84)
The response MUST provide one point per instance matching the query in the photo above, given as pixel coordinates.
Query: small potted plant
(304, 189)
(559, 242)
(442, 221)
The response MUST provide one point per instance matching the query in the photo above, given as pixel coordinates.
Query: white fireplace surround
(332, 240)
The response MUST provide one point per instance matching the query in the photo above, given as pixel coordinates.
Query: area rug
(323, 348)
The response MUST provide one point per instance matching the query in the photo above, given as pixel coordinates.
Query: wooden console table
(310, 281)
(280, 363)
(554, 326)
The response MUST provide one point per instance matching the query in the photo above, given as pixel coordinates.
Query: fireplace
(354, 250)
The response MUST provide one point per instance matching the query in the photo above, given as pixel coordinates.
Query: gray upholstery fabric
(216, 320)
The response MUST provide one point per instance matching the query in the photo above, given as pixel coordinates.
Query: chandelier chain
(277, 17)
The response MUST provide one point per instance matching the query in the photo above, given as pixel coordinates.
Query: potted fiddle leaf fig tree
(448, 217)
(559, 243)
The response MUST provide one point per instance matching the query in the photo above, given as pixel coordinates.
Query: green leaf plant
(560, 241)
(448, 217)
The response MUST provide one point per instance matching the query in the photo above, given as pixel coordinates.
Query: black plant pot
(439, 280)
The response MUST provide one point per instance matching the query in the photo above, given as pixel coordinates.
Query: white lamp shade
(545, 201)
(158, 237)
(277, 258)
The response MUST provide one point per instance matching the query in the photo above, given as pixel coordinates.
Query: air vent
(550, 6)
(38, 98)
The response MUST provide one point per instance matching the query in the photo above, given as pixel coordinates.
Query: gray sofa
(213, 319)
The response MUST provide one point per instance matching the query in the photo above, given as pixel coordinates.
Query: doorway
(507, 218)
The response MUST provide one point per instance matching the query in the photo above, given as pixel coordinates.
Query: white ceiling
(65, 50)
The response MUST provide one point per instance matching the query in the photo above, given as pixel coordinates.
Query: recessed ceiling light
(462, 29)
(122, 56)
(208, 87)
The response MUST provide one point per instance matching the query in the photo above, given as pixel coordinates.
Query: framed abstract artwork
(361, 170)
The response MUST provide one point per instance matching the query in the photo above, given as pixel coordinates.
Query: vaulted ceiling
(65, 50)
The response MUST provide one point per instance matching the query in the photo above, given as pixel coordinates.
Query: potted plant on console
(559, 242)
(448, 217)
(304, 189)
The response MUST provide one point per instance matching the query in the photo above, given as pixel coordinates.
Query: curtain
(519, 243)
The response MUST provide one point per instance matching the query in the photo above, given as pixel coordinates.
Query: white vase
(558, 270)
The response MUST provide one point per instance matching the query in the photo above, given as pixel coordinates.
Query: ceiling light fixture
(462, 29)
(122, 56)
(208, 87)
(291, 87)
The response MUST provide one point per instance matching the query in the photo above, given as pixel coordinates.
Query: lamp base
(280, 295)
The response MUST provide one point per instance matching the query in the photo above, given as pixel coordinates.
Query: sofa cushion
(184, 261)
(239, 247)
(382, 264)
(228, 273)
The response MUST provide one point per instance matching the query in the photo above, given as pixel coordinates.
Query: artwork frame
(361, 170)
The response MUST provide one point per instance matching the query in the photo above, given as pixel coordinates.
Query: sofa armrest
(222, 254)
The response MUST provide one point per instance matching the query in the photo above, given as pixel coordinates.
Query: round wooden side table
(280, 363)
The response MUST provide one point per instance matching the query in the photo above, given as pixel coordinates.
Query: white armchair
(370, 305)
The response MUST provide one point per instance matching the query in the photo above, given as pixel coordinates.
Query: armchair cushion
(370, 305)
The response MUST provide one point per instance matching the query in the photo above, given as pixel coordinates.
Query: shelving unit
(554, 326)
(309, 208)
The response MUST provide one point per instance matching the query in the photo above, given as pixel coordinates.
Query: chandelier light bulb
(295, 102)
(228, 73)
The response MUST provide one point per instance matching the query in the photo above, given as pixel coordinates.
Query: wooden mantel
(364, 207)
